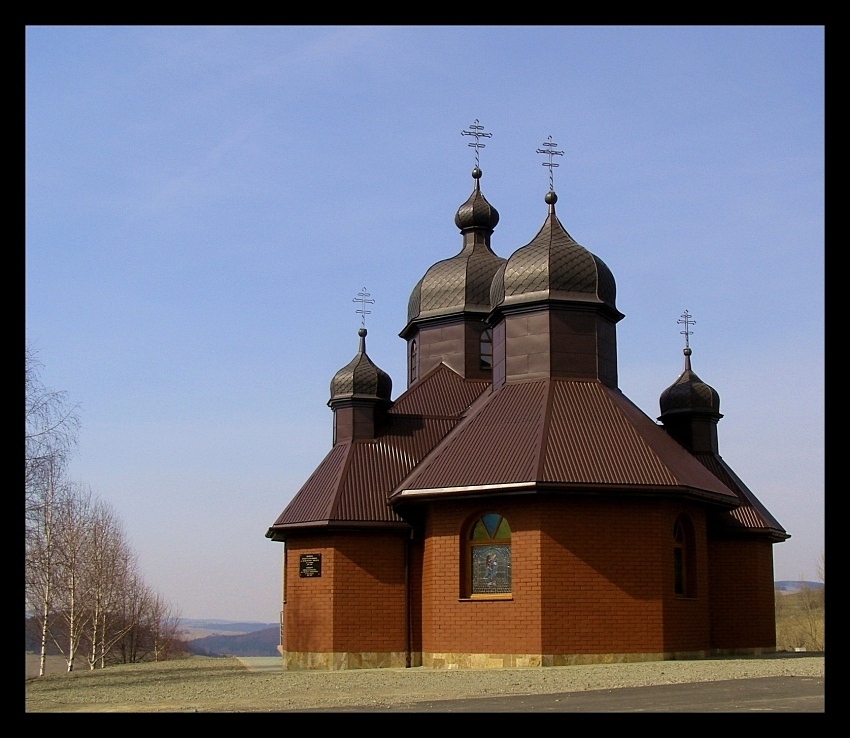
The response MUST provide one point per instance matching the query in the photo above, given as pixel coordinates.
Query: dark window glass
(486, 349)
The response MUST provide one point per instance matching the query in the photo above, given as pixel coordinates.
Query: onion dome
(554, 267)
(361, 378)
(476, 212)
(689, 394)
(461, 283)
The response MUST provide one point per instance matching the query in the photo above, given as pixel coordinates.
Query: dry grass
(800, 620)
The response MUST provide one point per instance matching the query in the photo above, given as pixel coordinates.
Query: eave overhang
(413, 496)
(280, 532)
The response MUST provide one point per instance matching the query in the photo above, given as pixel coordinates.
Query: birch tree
(51, 428)
(74, 582)
(110, 563)
(41, 556)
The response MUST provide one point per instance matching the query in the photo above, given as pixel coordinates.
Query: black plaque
(310, 565)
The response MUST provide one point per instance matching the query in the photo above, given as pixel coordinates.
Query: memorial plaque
(310, 565)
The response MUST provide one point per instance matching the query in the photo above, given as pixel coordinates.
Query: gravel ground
(229, 685)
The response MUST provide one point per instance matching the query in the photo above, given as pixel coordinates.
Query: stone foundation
(334, 661)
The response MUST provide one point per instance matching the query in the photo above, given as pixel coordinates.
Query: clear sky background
(203, 204)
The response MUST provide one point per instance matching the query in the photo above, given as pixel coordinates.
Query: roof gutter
(524, 488)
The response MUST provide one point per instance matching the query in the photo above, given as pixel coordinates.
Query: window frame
(413, 363)
(684, 558)
(468, 557)
(485, 339)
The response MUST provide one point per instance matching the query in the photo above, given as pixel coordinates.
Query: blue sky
(204, 203)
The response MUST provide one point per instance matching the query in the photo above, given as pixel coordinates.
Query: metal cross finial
(363, 299)
(550, 152)
(687, 321)
(477, 131)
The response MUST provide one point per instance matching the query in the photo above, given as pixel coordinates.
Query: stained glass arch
(488, 558)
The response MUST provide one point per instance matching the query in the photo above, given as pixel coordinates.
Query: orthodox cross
(363, 299)
(477, 131)
(687, 321)
(550, 152)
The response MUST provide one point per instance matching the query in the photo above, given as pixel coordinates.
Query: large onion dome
(361, 378)
(554, 267)
(462, 283)
(689, 394)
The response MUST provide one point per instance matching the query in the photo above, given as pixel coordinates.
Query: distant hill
(195, 628)
(787, 586)
(256, 643)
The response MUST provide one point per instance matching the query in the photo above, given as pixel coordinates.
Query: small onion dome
(360, 378)
(476, 212)
(554, 267)
(689, 394)
(461, 283)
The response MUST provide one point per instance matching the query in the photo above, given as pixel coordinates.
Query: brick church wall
(592, 576)
(743, 604)
(355, 611)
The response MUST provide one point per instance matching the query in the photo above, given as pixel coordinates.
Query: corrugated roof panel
(376, 467)
(685, 468)
(592, 436)
(496, 445)
(591, 441)
(441, 392)
(354, 480)
(751, 514)
(315, 498)
(371, 474)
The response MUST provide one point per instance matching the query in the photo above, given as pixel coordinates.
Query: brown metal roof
(352, 483)
(557, 434)
(441, 392)
(751, 516)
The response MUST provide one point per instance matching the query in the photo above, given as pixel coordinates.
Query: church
(512, 507)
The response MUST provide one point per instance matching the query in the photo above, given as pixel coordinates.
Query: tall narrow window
(684, 555)
(488, 560)
(486, 349)
(414, 363)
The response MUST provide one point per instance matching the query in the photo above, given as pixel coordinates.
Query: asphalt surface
(768, 694)
(764, 694)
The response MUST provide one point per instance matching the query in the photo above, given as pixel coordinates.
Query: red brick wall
(742, 594)
(591, 575)
(358, 604)
(451, 624)
(308, 602)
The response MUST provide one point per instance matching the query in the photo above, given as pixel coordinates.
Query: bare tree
(163, 622)
(110, 564)
(133, 647)
(51, 430)
(74, 581)
(82, 583)
(41, 555)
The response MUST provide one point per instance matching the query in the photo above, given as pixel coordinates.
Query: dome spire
(361, 378)
(551, 198)
(689, 394)
(476, 213)
(363, 298)
(687, 320)
(477, 131)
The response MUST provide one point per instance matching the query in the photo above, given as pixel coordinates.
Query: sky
(205, 203)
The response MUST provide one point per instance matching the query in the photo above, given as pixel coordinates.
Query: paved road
(768, 694)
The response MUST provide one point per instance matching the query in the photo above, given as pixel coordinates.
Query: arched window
(488, 557)
(414, 363)
(684, 558)
(485, 351)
